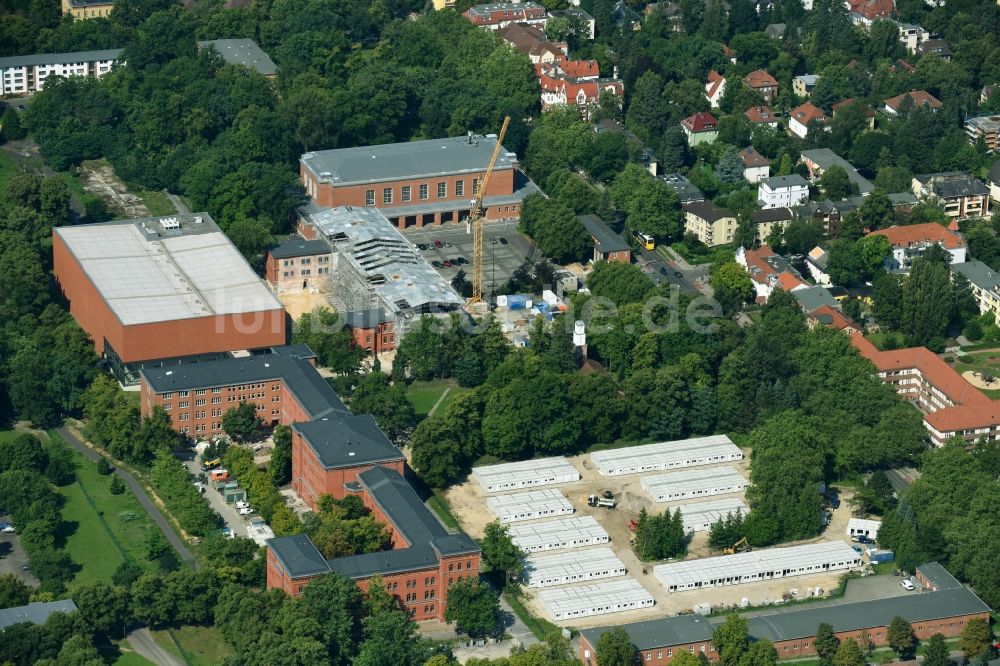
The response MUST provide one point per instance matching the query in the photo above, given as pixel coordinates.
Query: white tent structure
(663, 456)
(573, 532)
(757, 565)
(862, 526)
(525, 474)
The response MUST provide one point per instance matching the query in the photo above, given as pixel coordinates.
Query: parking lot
(500, 258)
(13, 557)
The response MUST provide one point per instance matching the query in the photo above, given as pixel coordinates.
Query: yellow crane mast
(476, 221)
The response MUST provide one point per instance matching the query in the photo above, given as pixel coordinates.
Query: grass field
(423, 395)
(195, 646)
(156, 201)
(443, 509)
(538, 626)
(98, 539)
(131, 659)
(7, 170)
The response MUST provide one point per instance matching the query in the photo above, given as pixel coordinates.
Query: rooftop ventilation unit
(170, 223)
(198, 219)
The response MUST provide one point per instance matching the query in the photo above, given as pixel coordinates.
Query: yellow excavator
(740, 546)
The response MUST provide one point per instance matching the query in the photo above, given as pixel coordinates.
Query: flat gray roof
(59, 58)
(298, 555)
(289, 364)
(938, 576)
(811, 298)
(300, 247)
(166, 268)
(794, 180)
(35, 613)
(677, 630)
(402, 161)
(607, 240)
(242, 52)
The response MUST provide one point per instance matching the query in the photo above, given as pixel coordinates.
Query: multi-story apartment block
(574, 82)
(418, 183)
(912, 240)
(985, 285)
(710, 223)
(87, 9)
(952, 407)
(24, 75)
(962, 195)
(501, 14)
(986, 128)
(912, 36)
(782, 191)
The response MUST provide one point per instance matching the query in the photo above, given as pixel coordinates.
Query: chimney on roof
(470, 137)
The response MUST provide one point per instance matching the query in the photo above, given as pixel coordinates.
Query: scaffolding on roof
(757, 565)
(694, 483)
(566, 603)
(667, 455)
(573, 566)
(530, 505)
(574, 532)
(525, 474)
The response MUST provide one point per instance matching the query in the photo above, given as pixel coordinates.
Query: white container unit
(700, 516)
(531, 505)
(525, 474)
(567, 603)
(863, 527)
(574, 532)
(573, 566)
(694, 483)
(711, 450)
(757, 565)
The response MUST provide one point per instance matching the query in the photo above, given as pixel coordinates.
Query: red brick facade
(455, 190)
(311, 480)
(294, 273)
(375, 340)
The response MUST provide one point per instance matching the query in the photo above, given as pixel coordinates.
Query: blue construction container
(881, 556)
(518, 301)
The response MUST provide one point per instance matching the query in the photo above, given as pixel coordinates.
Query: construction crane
(476, 221)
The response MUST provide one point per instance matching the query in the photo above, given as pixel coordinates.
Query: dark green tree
(500, 553)
(901, 637)
(937, 652)
(615, 648)
(473, 607)
(826, 643)
(241, 422)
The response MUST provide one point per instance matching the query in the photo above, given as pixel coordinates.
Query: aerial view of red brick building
(161, 291)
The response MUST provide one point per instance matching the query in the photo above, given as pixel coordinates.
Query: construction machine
(738, 547)
(476, 219)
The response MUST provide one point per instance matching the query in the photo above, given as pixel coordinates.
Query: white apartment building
(24, 75)
(782, 191)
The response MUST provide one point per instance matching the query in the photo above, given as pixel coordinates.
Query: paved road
(178, 203)
(902, 478)
(233, 520)
(147, 504)
(144, 645)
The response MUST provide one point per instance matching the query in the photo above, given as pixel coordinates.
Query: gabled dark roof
(289, 364)
(298, 556)
(771, 215)
(677, 630)
(938, 576)
(341, 440)
(607, 240)
(707, 211)
(299, 247)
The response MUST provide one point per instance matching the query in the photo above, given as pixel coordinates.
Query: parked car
(459, 261)
(245, 510)
(437, 243)
(663, 270)
(437, 264)
(446, 264)
(447, 244)
(678, 274)
(907, 584)
(503, 241)
(242, 504)
(422, 246)
(228, 533)
(7, 528)
(494, 240)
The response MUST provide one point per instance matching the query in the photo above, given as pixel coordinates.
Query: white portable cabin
(573, 566)
(863, 527)
(700, 516)
(694, 483)
(567, 603)
(573, 532)
(531, 505)
(711, 450)
(757, 565)
(525, 474)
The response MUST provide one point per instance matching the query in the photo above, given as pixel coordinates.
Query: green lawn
(538, 626)
(700, 254)
(103, 529)
(131, 659)
(441, 507)
(156, 201)
(196, 646)
(423, 395)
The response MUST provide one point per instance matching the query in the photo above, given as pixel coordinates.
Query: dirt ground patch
(298, 303)
(468, 503)
(99, 179)
(975, 377)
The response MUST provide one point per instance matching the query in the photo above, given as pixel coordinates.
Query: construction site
(574, 518)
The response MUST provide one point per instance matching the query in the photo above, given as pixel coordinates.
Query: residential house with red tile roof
(499, 15)
(804, 115)
(831, 317)
(702, 127)
(715, 88)
(763, 83)
(866, 12)
(532, 42)
(952, 407)
(768, 271)
(761, 115)
(912, 240)
(921, 98)
(574, 82)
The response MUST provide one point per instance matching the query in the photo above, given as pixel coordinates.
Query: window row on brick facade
(423, 192)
